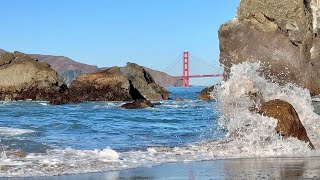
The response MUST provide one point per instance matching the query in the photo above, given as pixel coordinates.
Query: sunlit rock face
(23, 77)
(131, 82)
(288, 121)
(282, 35)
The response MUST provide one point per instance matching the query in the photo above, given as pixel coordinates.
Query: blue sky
(151, 33)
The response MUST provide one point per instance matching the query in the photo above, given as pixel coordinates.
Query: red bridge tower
(185, 78)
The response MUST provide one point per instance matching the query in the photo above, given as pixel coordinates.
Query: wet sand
(266, 168)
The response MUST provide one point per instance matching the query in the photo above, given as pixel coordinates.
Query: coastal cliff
(282, 35)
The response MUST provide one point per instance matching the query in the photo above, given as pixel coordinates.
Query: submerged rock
(289, 124)
(23, 77)
(178, 99)
(14, 154)
(205, 93)
(138, 104)
(282, 35)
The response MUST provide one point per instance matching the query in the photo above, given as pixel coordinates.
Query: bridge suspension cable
(185, 57)
(202, 61)
(176, 61)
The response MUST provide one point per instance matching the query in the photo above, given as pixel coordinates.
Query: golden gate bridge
(186, 69)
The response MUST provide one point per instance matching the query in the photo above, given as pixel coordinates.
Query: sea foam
(249, 135)
(255, 131)
(7, 131)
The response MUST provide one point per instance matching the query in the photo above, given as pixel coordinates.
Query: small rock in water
(289, 124)
(138, 104)
(179, 99)
(13, 154)
(205, 93)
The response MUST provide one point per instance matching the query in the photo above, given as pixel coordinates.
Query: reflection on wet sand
(266, 168)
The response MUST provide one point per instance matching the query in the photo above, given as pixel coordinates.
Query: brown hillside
(61, 63)
(2, 51)
(163, 79)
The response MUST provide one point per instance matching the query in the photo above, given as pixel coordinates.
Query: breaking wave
(249, 135)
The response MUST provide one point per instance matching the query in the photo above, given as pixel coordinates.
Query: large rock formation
(282, 35)
(69, 70)
(23, 77)
(141, 80)
(289, 124)
(131, 82)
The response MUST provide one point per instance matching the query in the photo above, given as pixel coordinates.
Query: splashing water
(253, 132)
(249, 135)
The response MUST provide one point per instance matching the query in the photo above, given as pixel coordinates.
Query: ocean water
(37, 139)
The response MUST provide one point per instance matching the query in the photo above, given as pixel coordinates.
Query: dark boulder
(289, 124)
(178, 99)
(205, 93)
(138, 104)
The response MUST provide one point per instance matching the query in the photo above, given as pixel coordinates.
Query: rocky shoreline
(24, 77)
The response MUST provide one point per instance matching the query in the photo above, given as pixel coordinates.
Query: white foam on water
(108, 105)
(250, 135)
(43, 103)
(253, 131)
(6, 131)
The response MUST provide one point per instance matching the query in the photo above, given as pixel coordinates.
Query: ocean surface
(37, 139)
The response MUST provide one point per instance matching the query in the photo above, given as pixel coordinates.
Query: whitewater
(37, 139)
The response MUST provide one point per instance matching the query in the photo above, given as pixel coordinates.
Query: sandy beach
(266, 168)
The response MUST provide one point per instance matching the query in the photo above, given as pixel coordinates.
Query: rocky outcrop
(205, 93)
(138, 104)
(282, 35)
(127, 83)
(23, 77)
(142, 81)
(289, 124)
(69, 69)
(106, 85)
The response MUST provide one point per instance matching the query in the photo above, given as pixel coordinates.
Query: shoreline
(270, 168)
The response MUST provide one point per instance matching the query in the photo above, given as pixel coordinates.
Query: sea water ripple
(100, 136)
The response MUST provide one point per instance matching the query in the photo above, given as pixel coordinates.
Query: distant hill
(69, 69)
(2, 51)
(164, 79)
